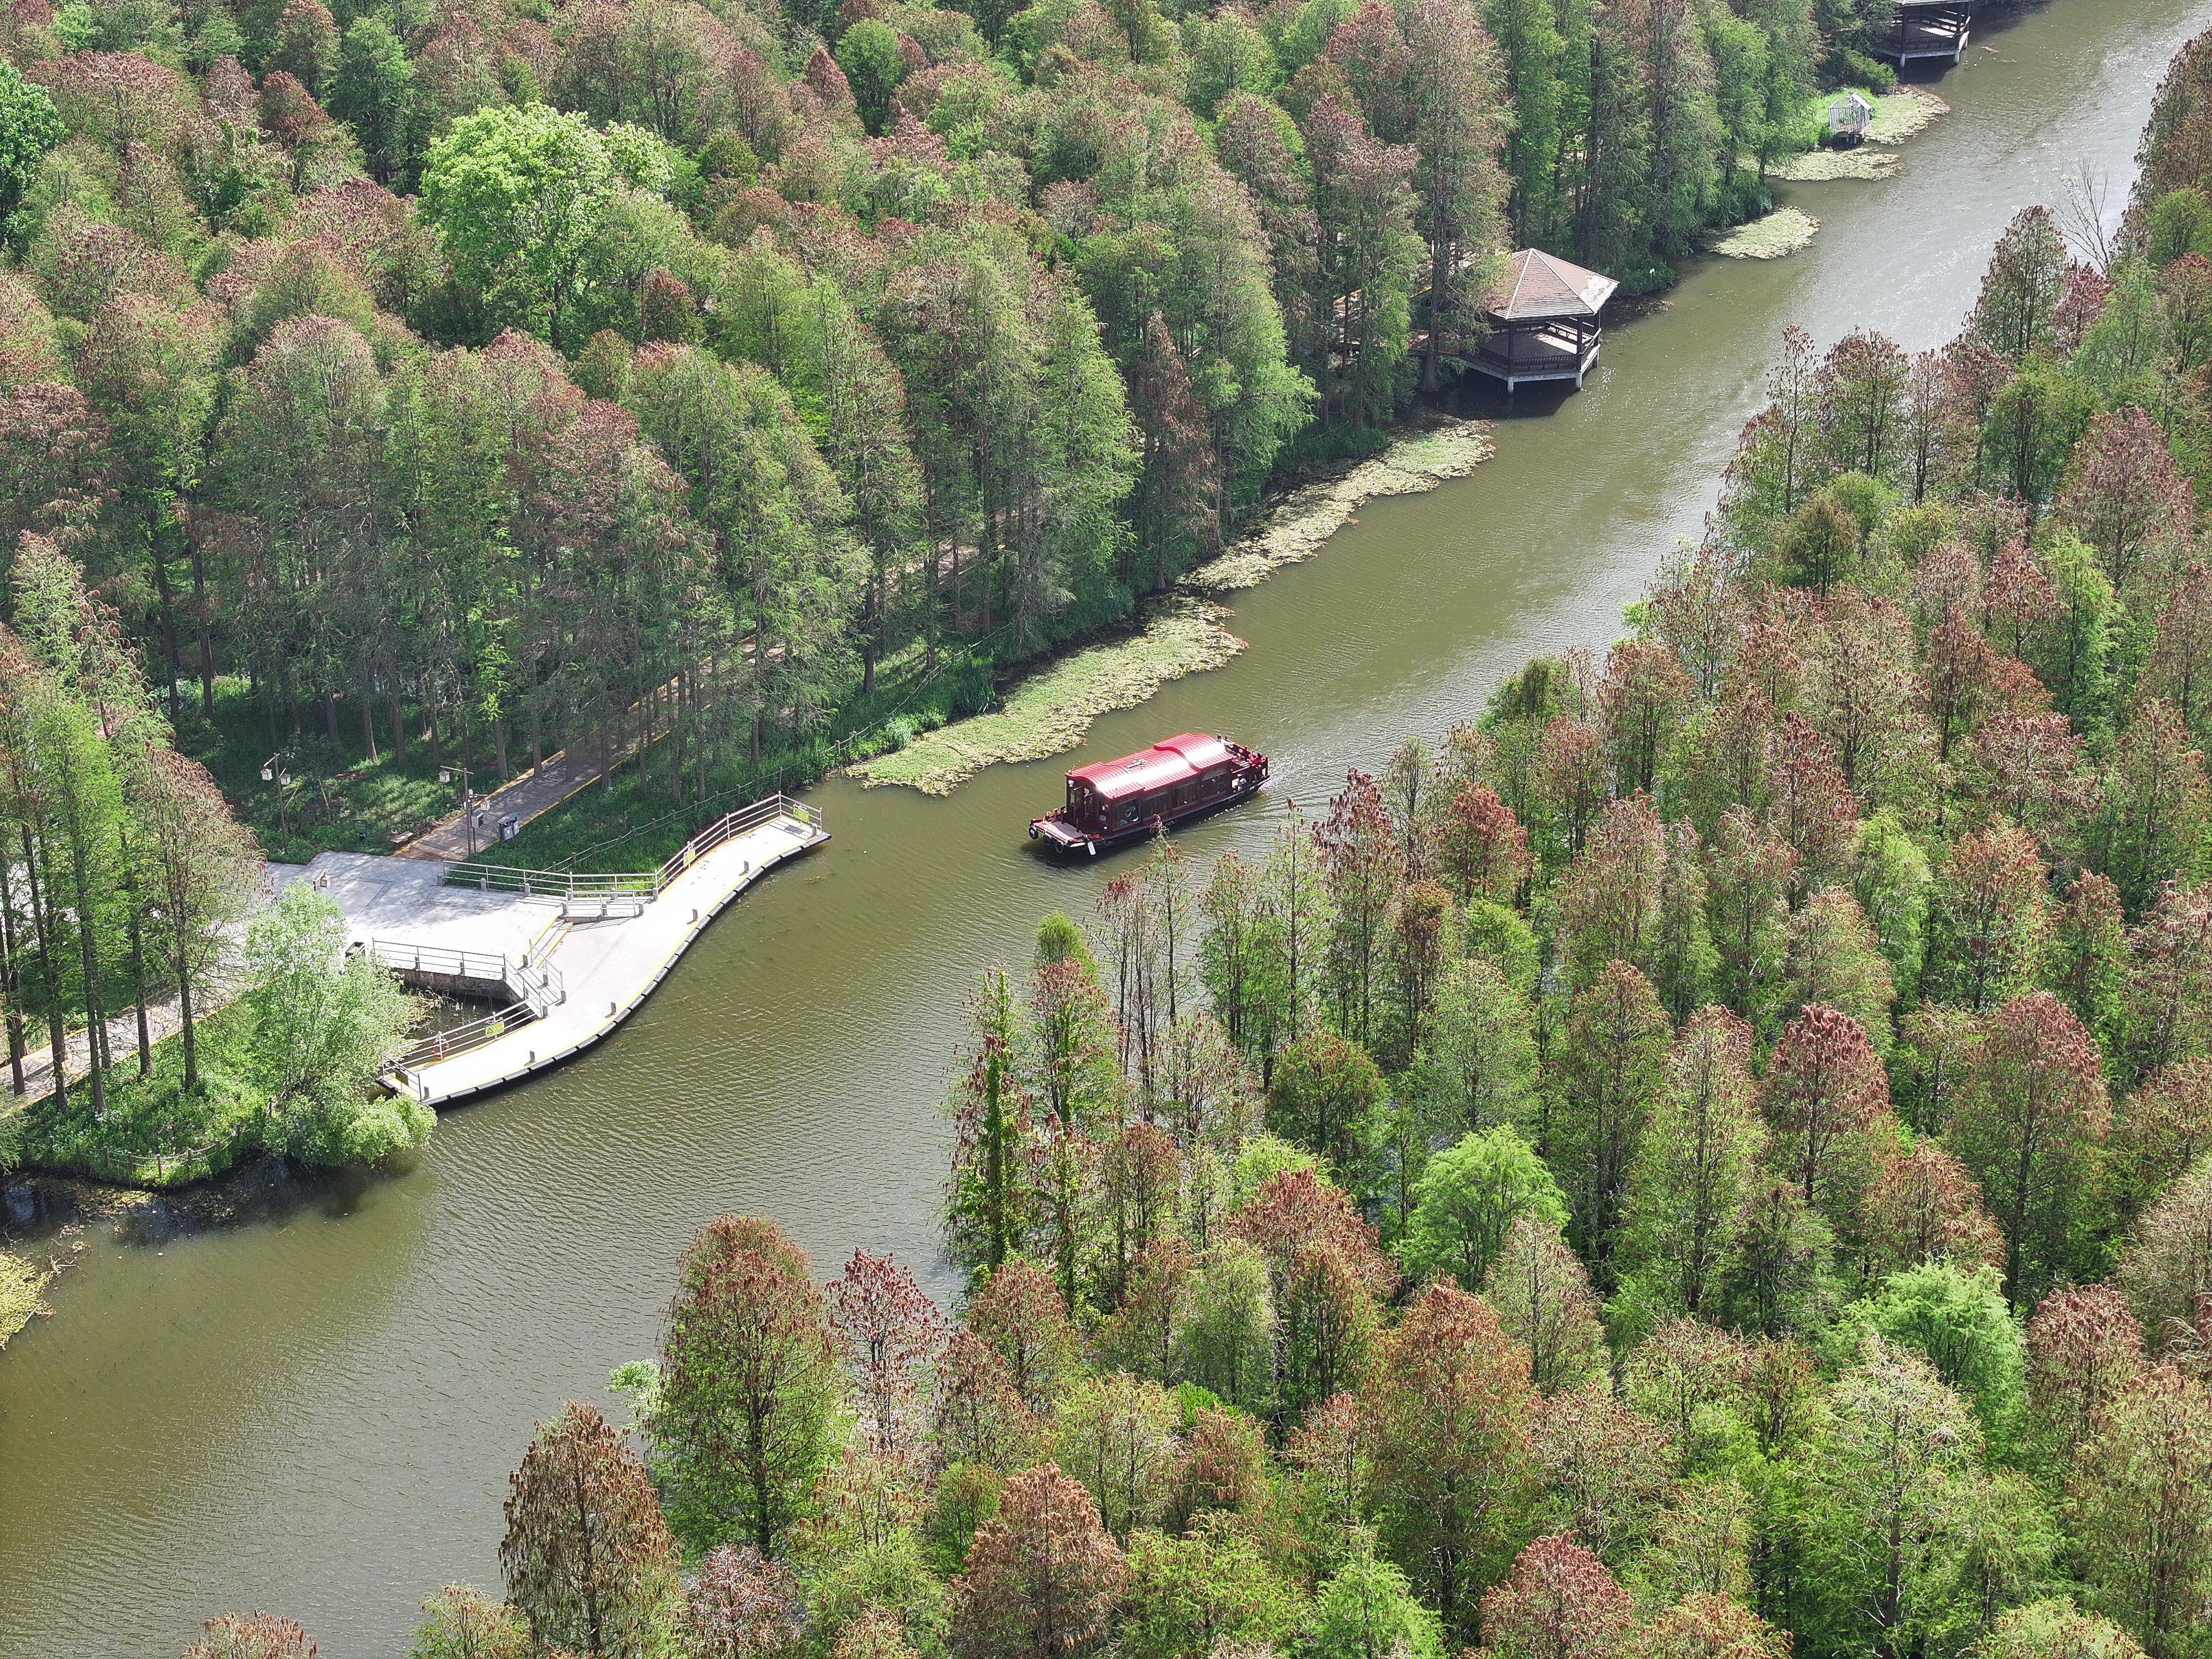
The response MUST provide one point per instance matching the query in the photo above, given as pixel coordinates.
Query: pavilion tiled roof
(1538, 285)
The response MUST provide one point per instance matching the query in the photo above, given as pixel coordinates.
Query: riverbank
(198, 1425)
(1050, 711)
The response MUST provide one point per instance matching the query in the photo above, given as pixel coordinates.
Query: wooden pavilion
(1543, 321)
(1927, 29)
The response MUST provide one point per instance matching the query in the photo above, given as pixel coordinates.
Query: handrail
(631, 884)
(438, 959)
(444, 1045)
(538, 984)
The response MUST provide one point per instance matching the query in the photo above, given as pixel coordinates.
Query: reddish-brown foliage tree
(1482, 847)
(1705, 1626)
(1608, 897)
(1922, 1205)
(980, 1417)
(1445, 1422)
(588, 1558)
(889, 1333)
(1825, 1086)
(2084, 1348)
(1019, 1313)
(1041, 1577)
(1990, 918)
(1811, 802)
(251, 1636)
(1570, 778)
(2032, 1110)
(2124, 496)
(2035, 770)
(1558, 1602)
(743, 1605)
(2169, 993)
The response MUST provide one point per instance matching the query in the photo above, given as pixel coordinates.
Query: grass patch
(155, 1134)
(1049, 712)
(20, 1284)
(1297, 527)
(338, 801)
(1780, 233)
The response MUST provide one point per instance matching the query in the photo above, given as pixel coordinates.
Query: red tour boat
(1141, 794)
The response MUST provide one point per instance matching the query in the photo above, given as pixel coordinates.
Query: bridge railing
(444, 1045)
(404, 955)
(631, 884)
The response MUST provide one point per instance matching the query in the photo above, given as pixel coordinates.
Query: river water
(316, 1412)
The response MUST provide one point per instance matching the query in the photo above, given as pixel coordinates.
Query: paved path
(530, 794)
(607, 956)
(608, 967)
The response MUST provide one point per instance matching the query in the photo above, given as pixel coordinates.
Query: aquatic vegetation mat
(1898, 115)
(1295, 527)
(20, 1284)
(1049, 712)
(1780, 233)
(1819, 165)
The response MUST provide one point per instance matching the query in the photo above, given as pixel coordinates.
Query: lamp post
(468, 801)
(277, 769)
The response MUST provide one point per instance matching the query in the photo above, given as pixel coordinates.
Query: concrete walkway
(607, 967)
(604, 956)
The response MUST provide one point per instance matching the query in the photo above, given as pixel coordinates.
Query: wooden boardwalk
(584, 978)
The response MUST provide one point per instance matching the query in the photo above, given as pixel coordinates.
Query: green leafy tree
(1469, 1196)
(29, 127)
(321, 1024)
(517, 194)
(374, 91)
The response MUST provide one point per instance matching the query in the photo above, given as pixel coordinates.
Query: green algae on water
(1898, 115)
(1049, 711)
(1781, 233)
(1821, 166)
(1298, 525)
(20, 1284)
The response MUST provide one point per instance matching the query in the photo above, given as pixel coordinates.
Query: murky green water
(317, 1415)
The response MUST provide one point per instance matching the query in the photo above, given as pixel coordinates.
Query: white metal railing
(444, 1045)
(633, 884)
